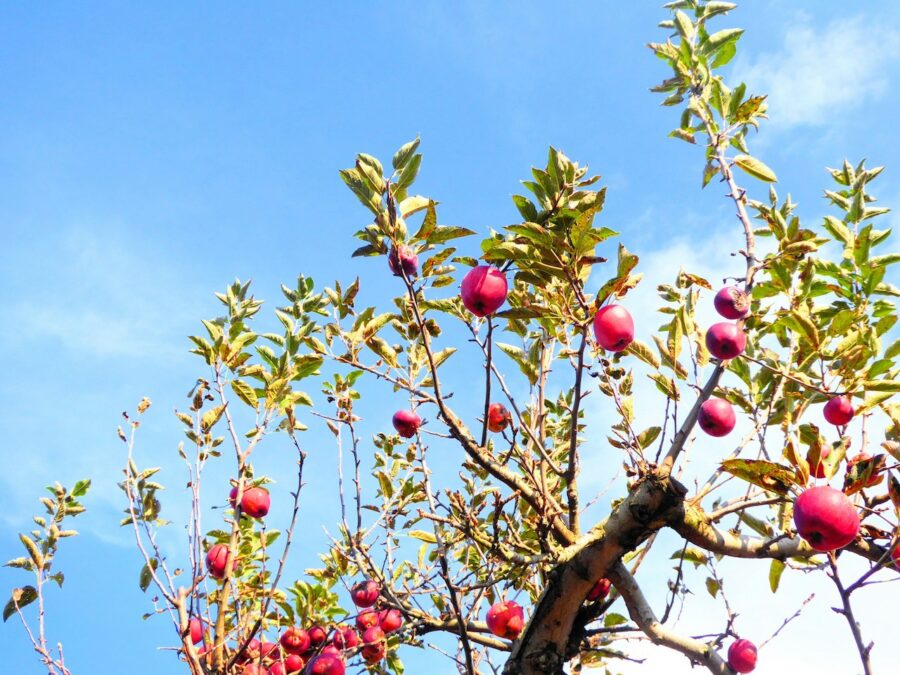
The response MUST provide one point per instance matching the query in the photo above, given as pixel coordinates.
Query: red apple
(716, 417)
(484, 290)
(197, 629)
(826, 518)
(372, 635)
(232, 497)
(365, 593)
(403, 260)
(819, 470)
(318, 636)
(732, 303)
(366, 619)
(295, 640)
(506, 620)
(407, 423)
(498, 417)
(250, 651)
(293, 663)
(216, 560)
(374, 653)
(390, 620)
(326, 664)
(725, 340)
(742, 656)
(874, 478)
(331, 649)
(839, 410)
(600, 590)
(613, 328)
(345, 637)
(895, 556)
(255, 502)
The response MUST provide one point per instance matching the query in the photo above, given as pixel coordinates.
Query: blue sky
(149, 154)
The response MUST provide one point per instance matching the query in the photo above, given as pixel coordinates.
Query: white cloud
(818, 74)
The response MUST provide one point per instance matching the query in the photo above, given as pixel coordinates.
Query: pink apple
(407, 423)
(196, 628)
(402, 259)
(838, 411)
(484, 290)
(613, 328)
(716, 417)
(742, 656)
(826, 518)
(725, 340)
(600, 590)
(365, 593)
(216, 560)
(732, 303)
(506, 619)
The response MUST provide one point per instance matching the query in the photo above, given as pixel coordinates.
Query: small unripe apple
(716, 417)
(826, 518)
(874, 478)
(326, 664)
(196, 628)
(365, 593)
(498, 417)
(295, 640)
(374, 653)
(838, 411)
(255, 502)
(613, 328)
(819, 470)
(600, 590)
(366, 619)
(318, 636)
(725, 340)
(407, 423)
(402, 259)
(390, 620)
(484, 290)
(216, 560)
(506, 619)
(345, 637)
(742, 656)
(732, 303)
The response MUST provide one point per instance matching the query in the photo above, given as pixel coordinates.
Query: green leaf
(713, 586)
(20, 596)
(33, 551)
(210, 417)
(755, 168)
(146, 574)
(684, 25)
(404, 154)
(613, 619)
(775, 571)
(767, 475)
(245, 392)
(422, 535)
(81, 488)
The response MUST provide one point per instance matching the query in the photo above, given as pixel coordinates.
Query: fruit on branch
(819, 470)
(217, 559)
(293, 663)
(403, 260)
(345, 637)
(498, 417)
(373, 635)
(483, 290)
(269, 650)
(295, 640)
(826, 518)
(366, 619)
(613, 328)
(873, 479)
(407, 423)
(716, 417)
(390, 620)
(600, 590)
(732, 303)
(839, 410)
(255, 502)
(326, 664)
(250, 652)
(742, 656)
(318, 636)
(506, 619)
(196, 629)
(365, 593)
(725, 340)
(374, 653)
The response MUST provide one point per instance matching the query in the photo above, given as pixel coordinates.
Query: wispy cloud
(821, 73)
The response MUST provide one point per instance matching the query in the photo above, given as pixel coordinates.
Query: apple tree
(501, 556)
